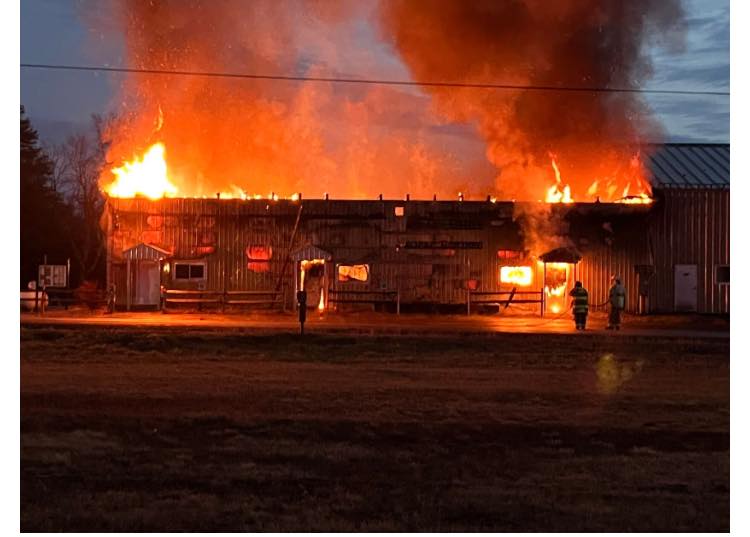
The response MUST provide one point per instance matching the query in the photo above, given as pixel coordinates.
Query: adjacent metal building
(672, 255)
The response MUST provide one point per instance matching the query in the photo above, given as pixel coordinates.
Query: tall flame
(554, 194)
(144, 176)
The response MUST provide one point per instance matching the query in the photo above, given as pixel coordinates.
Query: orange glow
(516, 275)
(639, 199)
(322, 302)
(149, 176)
(637, 190)
(556, 286)
(144, 176)
(554, 194)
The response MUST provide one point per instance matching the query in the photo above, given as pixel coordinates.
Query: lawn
(163, 429)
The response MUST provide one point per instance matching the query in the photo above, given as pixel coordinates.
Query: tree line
(61, 203)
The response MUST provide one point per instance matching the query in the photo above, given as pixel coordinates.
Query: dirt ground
(179, 428)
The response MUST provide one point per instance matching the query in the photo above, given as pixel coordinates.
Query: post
(36, 298)
(302, 305)
(468, 301)
(127, 287)
(398, 301)
(542, 302)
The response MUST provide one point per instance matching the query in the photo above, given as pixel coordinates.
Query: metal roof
(689, 166)
(309, 251)
(145, 251)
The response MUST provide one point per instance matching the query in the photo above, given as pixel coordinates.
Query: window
(189, 271)
(182, 272)
(196, 272)
(722, 274)
(398, 211)
(360, 273)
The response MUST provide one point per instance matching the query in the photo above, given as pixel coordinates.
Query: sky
(60, 103)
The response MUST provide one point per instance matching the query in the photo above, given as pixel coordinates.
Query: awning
(561, 255)
(310, 252)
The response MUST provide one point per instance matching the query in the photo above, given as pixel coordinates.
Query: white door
(686, 287)
(147, 284)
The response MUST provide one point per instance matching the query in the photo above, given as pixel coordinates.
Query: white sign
(53, 276)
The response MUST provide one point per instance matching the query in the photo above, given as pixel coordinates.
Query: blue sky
(62, 102)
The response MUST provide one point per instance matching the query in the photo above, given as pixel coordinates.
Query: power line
(369, 81)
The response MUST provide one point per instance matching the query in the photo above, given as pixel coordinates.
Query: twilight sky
(60, 103)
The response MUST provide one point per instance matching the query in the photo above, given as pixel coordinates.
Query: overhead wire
(372, 81)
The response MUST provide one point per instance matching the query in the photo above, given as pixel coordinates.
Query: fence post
(468, 302)
(398, 301)
(542, 302)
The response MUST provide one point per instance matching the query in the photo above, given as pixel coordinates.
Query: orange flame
(145, 176)
(554, 194)
(556, 285)
(322, 302)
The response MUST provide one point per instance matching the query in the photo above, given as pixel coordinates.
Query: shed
(143, 274)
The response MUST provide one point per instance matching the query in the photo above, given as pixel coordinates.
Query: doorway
(313, 279)
(686, 287)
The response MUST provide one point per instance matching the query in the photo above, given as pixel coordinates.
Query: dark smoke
(590, 43)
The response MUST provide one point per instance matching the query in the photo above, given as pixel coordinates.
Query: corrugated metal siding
(599, 265)
(683, 227)
(691, 227)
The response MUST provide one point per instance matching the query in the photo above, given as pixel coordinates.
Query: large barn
(672, 255)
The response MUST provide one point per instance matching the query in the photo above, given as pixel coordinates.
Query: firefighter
(616, 303)
(580, 305)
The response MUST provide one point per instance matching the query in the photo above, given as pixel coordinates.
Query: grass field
(180, 429)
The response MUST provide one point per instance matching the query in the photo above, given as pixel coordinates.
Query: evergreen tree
(44, 215)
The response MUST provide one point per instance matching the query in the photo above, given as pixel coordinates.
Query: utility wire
(580, 89)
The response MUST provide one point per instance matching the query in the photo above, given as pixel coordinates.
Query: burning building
(672, 251)
(531, 102)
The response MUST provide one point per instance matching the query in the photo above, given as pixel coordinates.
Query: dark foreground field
(173, 429)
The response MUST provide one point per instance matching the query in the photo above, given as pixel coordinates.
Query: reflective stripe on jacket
(580, 300)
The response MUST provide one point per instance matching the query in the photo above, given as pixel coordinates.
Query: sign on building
(53, 276)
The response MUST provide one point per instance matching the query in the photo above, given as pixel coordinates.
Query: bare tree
(84, 158)
(57, 155)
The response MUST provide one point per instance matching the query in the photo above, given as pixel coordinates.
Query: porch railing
(339, 296)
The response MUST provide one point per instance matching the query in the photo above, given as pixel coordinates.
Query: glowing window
(360, 273)
(398, 211)
(516, 275)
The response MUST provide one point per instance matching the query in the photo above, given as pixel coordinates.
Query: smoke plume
(358, 141)
(561, 43)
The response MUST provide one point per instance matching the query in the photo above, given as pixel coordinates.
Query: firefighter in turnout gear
(580, 305)
(616, 303)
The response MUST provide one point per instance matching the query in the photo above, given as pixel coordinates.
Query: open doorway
(313, 279)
